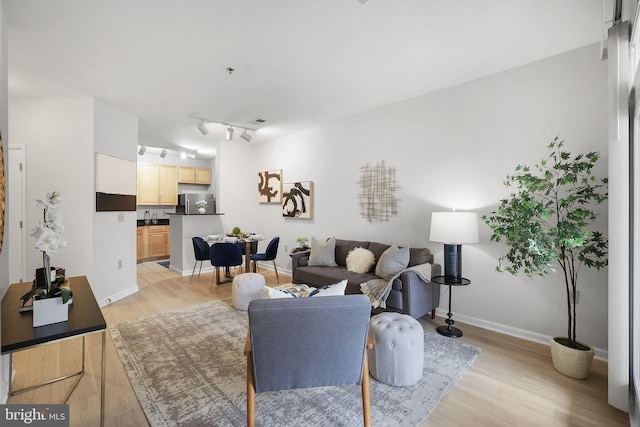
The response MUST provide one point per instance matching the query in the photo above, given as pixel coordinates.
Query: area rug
(165, 264)
(187, 368)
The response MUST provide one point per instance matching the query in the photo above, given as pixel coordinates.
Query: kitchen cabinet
(157, 184)
(192, 175)
(142, 247)
(153, 242)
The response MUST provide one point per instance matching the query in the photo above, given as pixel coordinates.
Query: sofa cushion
(377, 249)
(323, 253)
(392, 262)
(343, 247)
(360, 260)
(419, 256)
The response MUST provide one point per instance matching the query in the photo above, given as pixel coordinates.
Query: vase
(201, 211)
(572, 362)
(47, 270)
(49, 310)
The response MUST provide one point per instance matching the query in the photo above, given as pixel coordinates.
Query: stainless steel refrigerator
(187, 203)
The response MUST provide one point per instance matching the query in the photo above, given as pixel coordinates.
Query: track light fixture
(163, 153)
(202, 127)
(245, 135)
(192, 154)
(142, 150)
(183, 155)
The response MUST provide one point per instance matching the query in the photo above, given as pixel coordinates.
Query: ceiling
(297, 63)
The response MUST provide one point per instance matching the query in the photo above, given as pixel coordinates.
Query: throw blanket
(378, 289)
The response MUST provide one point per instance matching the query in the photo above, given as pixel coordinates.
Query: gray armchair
(283, 353)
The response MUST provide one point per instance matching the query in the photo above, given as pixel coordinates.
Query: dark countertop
(161, 221)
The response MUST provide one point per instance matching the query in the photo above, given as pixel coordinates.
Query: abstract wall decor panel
(270, 186)
(378, 201)
(115, 184)
(297, 200)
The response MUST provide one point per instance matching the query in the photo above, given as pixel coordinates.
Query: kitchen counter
(162, 221)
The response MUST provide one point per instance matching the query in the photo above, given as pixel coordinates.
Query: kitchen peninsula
(182, 229)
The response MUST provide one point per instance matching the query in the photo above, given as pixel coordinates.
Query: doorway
(17, 210)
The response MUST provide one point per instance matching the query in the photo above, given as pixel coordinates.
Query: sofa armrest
(298, 259)
(419, 297)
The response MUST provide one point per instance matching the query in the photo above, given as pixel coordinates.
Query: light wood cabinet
(152, 242)
(203, 176)
(191, 175)
(157, 184)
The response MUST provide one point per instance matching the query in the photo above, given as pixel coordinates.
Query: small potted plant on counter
(201, 205)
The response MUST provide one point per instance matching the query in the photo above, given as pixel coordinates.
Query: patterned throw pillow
(360, 260)
(335, 289)
(273, 293)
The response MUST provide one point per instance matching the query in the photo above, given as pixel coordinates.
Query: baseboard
(118, 296)
(510, 330)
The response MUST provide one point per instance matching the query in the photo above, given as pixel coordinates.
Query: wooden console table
(85, 318)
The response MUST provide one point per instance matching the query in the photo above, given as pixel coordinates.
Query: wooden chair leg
(251, 394)
(433, 313)
(366, 396)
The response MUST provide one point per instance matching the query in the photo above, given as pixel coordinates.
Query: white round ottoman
(397, 356)
(245, 288)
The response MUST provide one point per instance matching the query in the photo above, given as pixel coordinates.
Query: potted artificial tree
(546, 223)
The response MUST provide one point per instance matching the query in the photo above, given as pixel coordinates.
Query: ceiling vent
(257, 122)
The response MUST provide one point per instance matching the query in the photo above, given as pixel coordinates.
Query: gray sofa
(409, 294)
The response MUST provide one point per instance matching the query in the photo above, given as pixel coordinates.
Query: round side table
(449, 330)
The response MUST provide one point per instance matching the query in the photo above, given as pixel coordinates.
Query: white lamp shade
(454, 227)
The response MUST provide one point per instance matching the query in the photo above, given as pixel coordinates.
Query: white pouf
(245, 288)
(397, 356)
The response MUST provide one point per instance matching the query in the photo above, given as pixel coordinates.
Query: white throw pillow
(272, 293)
(323, 253)
(335, 289)
(360, 260)
(392, 261)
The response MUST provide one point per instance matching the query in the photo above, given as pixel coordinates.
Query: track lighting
(192, 154)
(183, 155)
(142, 150)
(163, 153)
(202, 127)
(229, 133)
(245, 136)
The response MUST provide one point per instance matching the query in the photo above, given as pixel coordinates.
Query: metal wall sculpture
(378, 201)
(270, 186)
(297, 200)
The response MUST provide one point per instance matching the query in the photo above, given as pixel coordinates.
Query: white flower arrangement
(201, 204)
(48, 232)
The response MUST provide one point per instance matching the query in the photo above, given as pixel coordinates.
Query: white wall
(452, 149)
(114, 241)
(58, 135)
(62, 136)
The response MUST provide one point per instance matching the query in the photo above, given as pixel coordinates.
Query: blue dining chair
(201, 252)
(268, 255)
(224, 255)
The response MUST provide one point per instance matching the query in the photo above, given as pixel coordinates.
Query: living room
(451, 147)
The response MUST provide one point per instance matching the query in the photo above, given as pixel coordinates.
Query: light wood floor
(512, 383)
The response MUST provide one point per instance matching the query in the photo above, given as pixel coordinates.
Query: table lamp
(453, 229)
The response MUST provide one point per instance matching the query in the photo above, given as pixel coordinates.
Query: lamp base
(453, 263)
(449, 331)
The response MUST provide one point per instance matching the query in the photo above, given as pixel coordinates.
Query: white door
(17, 209)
